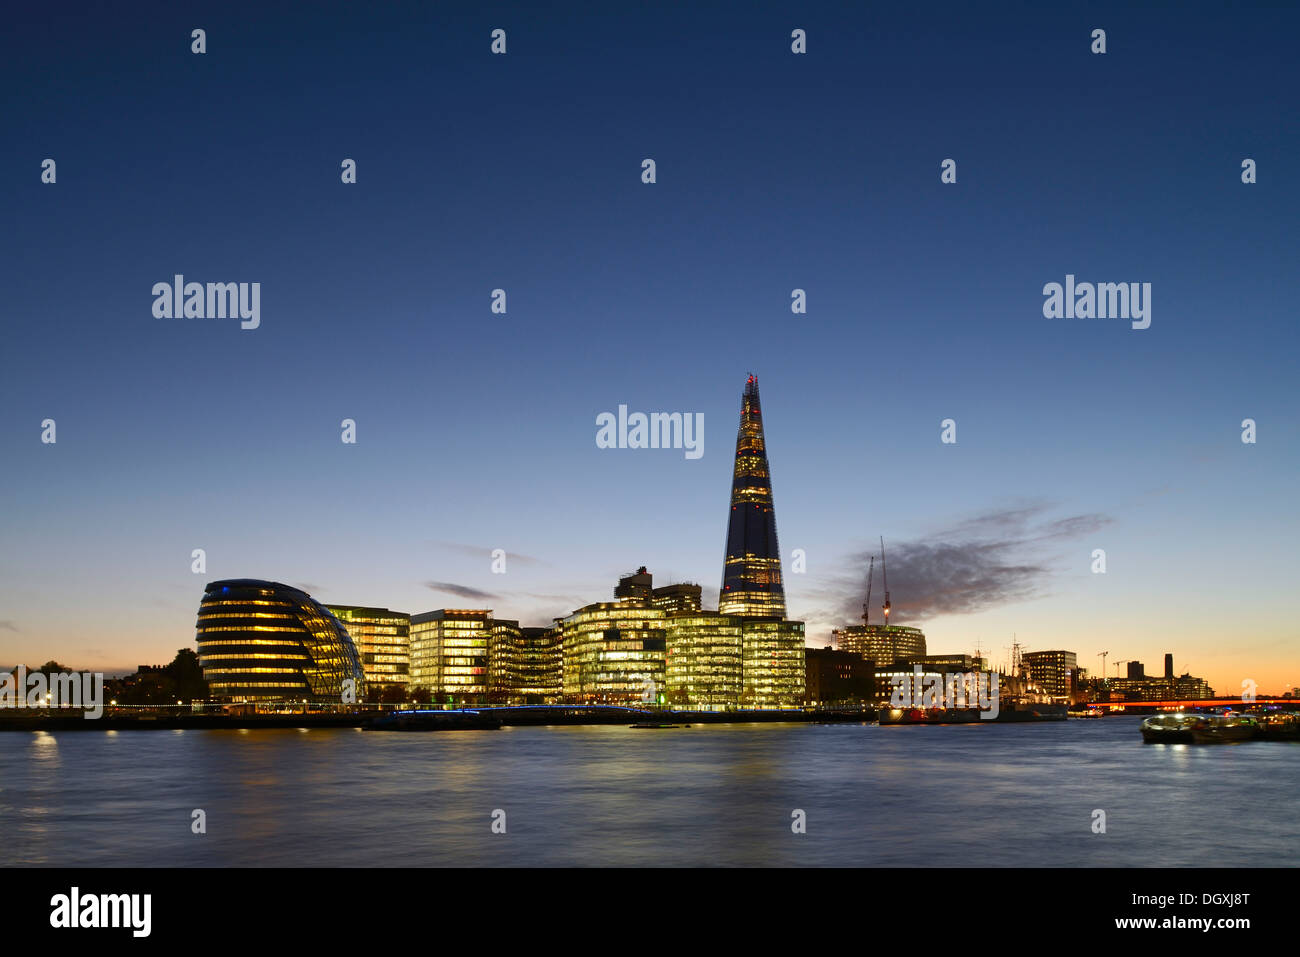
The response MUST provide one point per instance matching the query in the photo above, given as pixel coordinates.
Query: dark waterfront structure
(751, 573)
(836, 677)
(265, 641)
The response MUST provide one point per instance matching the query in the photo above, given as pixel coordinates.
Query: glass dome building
(264, 641)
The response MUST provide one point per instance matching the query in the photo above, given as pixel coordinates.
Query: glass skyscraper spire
(751, 573)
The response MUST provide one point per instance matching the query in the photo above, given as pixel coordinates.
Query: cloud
(7, 625)
(997, 557)
(485, 553)
(461, 591)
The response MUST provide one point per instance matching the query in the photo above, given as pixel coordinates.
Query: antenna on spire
(884, 577)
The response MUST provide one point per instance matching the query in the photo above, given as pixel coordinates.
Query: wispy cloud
(994, 558)
(461, 591)
(485, 553)
(7, 625)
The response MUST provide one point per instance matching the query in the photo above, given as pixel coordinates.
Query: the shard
(751, 573)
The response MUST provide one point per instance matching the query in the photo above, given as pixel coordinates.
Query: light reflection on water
(702, 796)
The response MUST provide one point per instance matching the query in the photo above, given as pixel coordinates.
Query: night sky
(775, 171)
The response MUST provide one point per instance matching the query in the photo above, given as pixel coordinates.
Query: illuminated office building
(1053, 671)
(703, 668)
(902, 674)
(613, 653)
(772, 663)
(674, 599)
(639, 586)
(525, 665)
(945, 664)
(541, 666)
(656, 646)
(505, 639)
(449, 653)
(881, 644)
(382, 638)
(264, 641)
(751, 573)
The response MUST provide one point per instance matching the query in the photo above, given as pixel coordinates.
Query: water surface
(981, 795)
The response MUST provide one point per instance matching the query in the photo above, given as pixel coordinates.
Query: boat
(1086, 713)
(1224, 729)
(1168, 728)
(1280, 727)
(434, 721)
(1009, 712)
(1032, 711)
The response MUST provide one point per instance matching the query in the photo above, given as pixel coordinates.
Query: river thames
(709, 795)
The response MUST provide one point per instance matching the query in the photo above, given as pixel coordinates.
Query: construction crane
(1122, 661)
(1102, 655)
(884, 578)
(866, 608)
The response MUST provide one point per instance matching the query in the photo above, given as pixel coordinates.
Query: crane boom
(884, 578)
(866, 608)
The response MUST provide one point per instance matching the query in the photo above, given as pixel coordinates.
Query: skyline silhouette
(775, 172)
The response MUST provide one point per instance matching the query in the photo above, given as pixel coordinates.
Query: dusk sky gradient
(775, 171)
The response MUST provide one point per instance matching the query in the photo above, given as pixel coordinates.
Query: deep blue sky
(775, 171)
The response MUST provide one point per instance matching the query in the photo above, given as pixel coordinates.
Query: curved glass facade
(264, 641)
